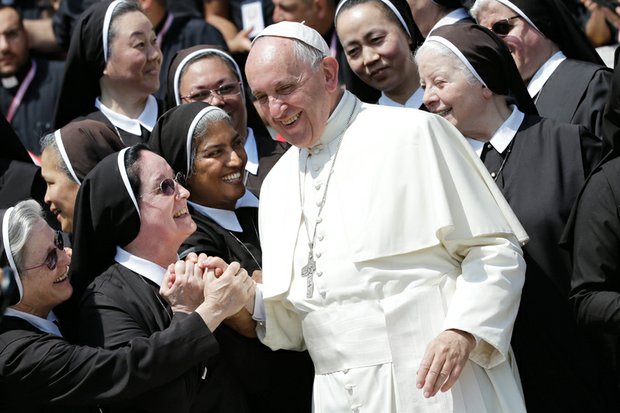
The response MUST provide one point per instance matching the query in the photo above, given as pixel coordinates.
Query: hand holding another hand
(183, 286)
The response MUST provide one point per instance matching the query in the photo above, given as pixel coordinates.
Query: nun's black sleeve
(38, 368)
(595, 285)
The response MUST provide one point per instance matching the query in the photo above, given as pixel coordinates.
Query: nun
(199, 141)
(112, 70)
(539, 164)
(39, 370)
(431, 14)
(378, 38)
(68, 155)
(208, 74)
(564, 74)
(131, 218)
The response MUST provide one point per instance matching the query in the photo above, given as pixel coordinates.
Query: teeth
(180, 212)
(291, 119)
(61, 278)
(442, 112)
(232, 177)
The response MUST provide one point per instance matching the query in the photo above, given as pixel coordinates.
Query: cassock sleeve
(48, 369)
(595, 284)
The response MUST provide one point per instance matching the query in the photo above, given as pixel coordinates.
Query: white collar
(252, 151)
(224, 217)
(145, 268)
(503, 135)
(46, 325)
(414, 101)
(147, 118)
(450, 18)
(544, 73)
(338, 119)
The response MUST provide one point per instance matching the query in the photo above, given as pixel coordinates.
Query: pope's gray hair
(23, 218)
(478, 4)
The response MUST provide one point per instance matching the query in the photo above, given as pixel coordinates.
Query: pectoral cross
(307, 271)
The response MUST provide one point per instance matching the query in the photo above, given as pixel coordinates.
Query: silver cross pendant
(307, 271)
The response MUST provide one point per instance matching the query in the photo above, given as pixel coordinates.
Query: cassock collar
(145, 268)
(252, 152)
(147, 118)
(502, 136)
(544, 73)
(337, 121)
(46, 325)
(415, 101)
(450, 18)
(225, 218)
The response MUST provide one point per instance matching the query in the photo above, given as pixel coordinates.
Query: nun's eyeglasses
(168, 186)
(52, 257)
(227, 89)
(504, 26)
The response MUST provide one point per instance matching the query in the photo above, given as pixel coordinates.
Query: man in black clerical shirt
(29, 86)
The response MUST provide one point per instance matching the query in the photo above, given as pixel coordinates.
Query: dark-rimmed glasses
(168, 186)
(52, 257)
(504, 26)
(227, 89)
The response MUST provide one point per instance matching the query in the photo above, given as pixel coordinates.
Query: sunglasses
(52, 257)
(228, 89)
(168, 186)
(504, 26)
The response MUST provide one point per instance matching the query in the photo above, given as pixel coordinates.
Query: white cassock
(414, 238)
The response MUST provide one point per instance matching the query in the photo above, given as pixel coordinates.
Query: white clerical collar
(339, 118)
(544, 73)
(252, 152)
(145, 268)
(147, 118)
(450, 18)
(503, 135)
(224, 217)
(415, 101)
(46, 325)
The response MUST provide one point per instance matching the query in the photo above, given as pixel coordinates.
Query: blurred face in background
(13, 42)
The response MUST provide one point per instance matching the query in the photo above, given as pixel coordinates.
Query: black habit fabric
(269, 152)
(40, 372)
(278, 381)
(576, 93)
(185, 31)
(449, 4)
(541, 178)
(88, 142)
(34, 116)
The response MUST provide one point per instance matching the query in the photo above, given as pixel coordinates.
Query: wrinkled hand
(216, 264)
(183, 286)
(257, 276)
(443, 361)
(612, 16)
(227, 294)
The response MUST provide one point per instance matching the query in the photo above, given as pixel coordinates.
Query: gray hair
(478, 4)
(121, 8)
(49, 141)
(307, 54)
(24, 216)
(441, 50)
(202, 129)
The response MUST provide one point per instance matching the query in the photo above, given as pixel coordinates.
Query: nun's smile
(61, 190)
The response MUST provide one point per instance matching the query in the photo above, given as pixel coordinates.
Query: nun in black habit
(569, 83)
(39, 370)
(200, 142)
(593, 237)
(112, 69)
(540, 165)
(194, 71)
(131, 218)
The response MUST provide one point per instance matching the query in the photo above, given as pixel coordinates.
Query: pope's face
(295, 98)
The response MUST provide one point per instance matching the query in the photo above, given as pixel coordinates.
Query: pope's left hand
(443, 361)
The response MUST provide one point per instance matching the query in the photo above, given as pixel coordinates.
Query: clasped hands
(208, 286)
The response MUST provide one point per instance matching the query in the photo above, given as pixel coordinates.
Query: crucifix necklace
(308, 270)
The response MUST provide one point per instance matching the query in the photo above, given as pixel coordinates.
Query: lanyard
(17, 99)
(164, 30)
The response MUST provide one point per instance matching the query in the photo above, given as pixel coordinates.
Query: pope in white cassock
(388, 252)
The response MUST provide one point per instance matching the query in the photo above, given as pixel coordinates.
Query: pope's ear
(330, 70)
